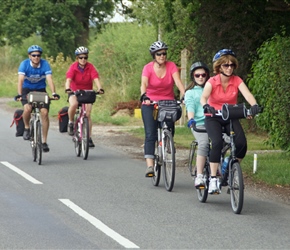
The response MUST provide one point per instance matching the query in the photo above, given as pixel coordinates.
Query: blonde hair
(222, 60)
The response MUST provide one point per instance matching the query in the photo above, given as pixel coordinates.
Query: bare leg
(45, 124)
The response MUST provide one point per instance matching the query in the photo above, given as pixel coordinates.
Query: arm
(67, 83)
(98, 84)
(178, 83)
(205, 94)
(50, 83)
(144, 84)
(247, 94)
(20, 83)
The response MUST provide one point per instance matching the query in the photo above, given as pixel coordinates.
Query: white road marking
(99, 225)
(20, 172)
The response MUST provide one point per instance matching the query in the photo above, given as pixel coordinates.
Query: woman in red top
(80, 76)
(224, 88)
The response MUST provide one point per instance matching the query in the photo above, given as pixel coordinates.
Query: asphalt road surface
(105, 202)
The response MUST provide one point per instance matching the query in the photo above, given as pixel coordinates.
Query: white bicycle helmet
(156, 46)
(81, 50)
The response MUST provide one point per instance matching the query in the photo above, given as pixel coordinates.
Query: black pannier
(169, 111)
(18, 120)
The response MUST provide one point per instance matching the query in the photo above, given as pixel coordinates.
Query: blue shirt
(192, 103)
(34, 78)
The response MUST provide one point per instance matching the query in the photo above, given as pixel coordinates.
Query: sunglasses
(160, 54)
(200, 75)
(36, 55)
(83, 57)
(232, 65)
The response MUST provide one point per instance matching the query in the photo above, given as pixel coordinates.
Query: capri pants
(214, 127)
(202, 140)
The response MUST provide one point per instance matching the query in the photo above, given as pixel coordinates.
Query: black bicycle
(165, 111)
(232, 175)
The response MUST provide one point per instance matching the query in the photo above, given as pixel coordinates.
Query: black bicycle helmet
(156, 46)
(34, 48)
(198, 65)
(81, 50)
(223, 52)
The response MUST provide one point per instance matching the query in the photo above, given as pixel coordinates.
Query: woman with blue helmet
(33, 73)
(219, 89)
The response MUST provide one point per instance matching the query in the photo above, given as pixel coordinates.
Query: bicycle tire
(202, 193)
(157, 172)
(168, 162)
(236, 187)
(192, 159)
(77, 142)
(85, 138)
(32, 141)
(38, 140)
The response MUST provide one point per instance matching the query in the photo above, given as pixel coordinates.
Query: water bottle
(225, 165)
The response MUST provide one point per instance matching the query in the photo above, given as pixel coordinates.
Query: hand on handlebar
(55, 96)
(207, 109)
(144, 98)
(191, 122)
(255, 109)
(17, 98)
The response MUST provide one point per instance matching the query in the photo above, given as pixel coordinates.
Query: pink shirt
(82, 79)
(218, 96)
(160, 88)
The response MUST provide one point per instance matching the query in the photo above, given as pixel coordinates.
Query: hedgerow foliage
(270, 83)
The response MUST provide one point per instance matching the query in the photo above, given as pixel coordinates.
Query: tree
(63, 25)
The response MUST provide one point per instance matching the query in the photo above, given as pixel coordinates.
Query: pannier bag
(63, 119)
(236, 111)
(169, 111)
(18, 120)
(84, 96)
(38, 97)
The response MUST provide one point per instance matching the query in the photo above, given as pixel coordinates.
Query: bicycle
(165, 111)
(37, 101)
(81, 122)
(232, 176)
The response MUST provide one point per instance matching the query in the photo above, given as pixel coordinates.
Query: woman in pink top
(80, 76)
(224, 88)
(157, 83)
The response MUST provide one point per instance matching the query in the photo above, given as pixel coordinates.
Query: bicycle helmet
(223, 52)
(198, 65)
(156, 46)
(34, 48)
(81, 50)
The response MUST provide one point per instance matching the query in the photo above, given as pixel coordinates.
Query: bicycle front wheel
(236, 188)
(38, 142)
(77, 141)
(32, 141)
(168, 160)
(157, 172)
(192, 159)
(85, 138)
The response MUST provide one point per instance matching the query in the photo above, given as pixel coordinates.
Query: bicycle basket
(86, 96)
(40, 97)
(236, 111)
(169, 111)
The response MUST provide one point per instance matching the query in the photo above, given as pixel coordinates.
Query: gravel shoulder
(121, 139)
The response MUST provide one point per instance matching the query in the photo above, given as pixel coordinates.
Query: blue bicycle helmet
(223, 52)
(81, 50)
(34, 48)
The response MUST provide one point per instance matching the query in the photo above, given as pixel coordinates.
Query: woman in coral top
(219, 89)
(157, 83)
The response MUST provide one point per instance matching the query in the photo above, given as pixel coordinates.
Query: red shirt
(82, 79)
(218, 96)
(160, 88)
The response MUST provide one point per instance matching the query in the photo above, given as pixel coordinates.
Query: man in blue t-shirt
(32, 76)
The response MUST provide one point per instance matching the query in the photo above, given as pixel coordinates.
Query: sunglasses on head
(36, 55)
(83, 57)
(232, 65)
(200, 75)
(160, 54)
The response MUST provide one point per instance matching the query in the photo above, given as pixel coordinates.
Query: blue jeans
(150, 127)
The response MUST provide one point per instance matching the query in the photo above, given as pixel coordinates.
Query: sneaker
(199, 182)
(26, 134)
(213, 188)
(91, 144)
(149, 172)
(70, 129)
(45, 147)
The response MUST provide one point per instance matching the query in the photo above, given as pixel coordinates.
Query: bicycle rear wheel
(202, 192)
(168, 162)
(85, 138)
(76, 139)
(236, 188)
(157, 172)
(38, 142)
(32, 141)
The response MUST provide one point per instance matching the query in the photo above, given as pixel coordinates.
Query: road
(106, 202)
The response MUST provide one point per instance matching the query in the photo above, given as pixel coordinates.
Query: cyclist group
(32, 76)
(204, 94)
